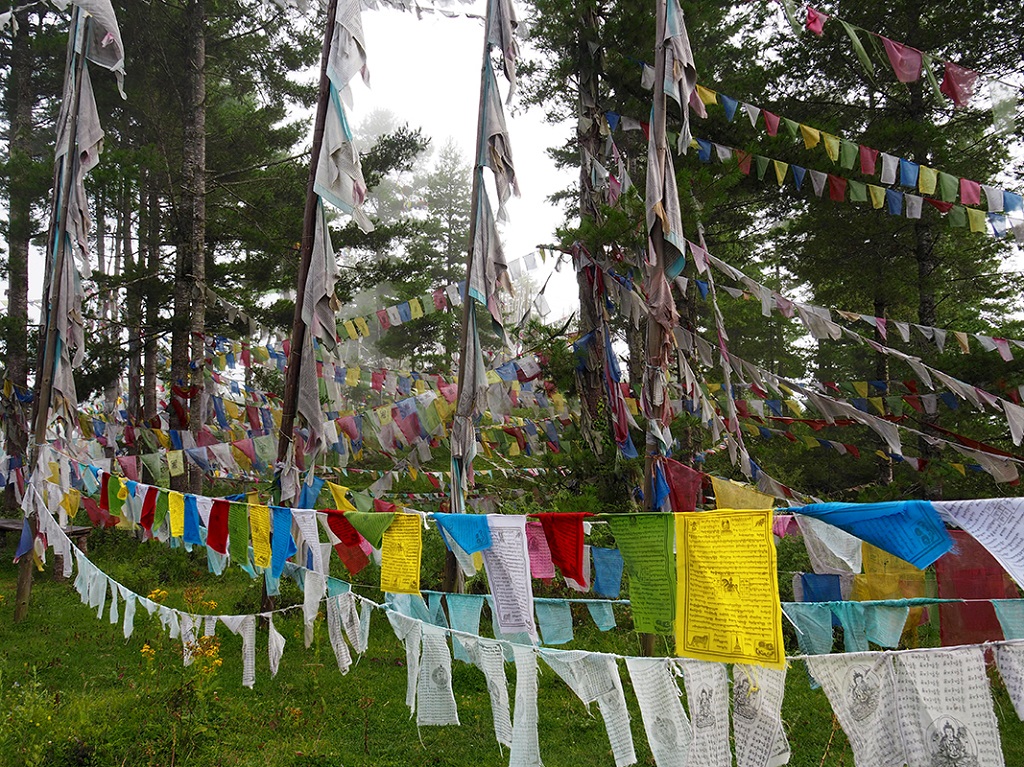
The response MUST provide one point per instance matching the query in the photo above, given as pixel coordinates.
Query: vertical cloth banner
(645, 542)
(665, 722)
(970, 572)
(401, 551)
(707, 693)
(508, 573)
(728, 607)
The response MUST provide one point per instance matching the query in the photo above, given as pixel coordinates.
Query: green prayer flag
(948, 186)
(926, 64)
(762, 166)
(160, 512)
(645, 542)
(371, 525)
(858, 191)
(362, 501)
(265, 449)
(958, 216)
(238, 533)
(849, 154)
(895, 405)
(113, 488)
(792, 127)
(158, 474)
(858, 48)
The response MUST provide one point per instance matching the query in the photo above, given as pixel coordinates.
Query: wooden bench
(79, 535)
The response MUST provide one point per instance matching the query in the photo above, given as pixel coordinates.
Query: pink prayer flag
(868, 160)
(697, 105)
(130, 466)
(970, 192)
(958, 84)
(385, 321)
(771, 122)
(906, 61)
(541, 565)
(816, 21)
(1003, 347)
(836, 188)
(439, 300)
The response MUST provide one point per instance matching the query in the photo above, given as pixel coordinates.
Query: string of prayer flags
(911, 530)
(728, 611)
(564, 534)
(645, 541)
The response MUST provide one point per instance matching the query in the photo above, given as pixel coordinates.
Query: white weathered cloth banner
(665, 721)
(707, 696)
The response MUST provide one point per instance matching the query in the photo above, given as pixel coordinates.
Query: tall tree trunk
(19, 102)
(588, 376)
(133, 311)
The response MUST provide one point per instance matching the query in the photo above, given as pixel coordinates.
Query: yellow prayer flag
(632, 406)
(960, 467)
(341, 501)
(513, 448)
(831, 146)
(413, 473)
(350, 328)
(878, 404)
(727, 589)
(419, 386)
(176, 462)
(275, 414)
(810, 135)
(493, 377)
(415, 308)
(861, 387)
(241, 459)
(877, 194)
(384, 414)
(232, 410)
(927, 178)
(400, 555)
(733, 495)
(259, 526)
(794, 406)
(977, 219)
(961, 338)
(780, 170)
(176, 512)
(810, 441)
(352, 376)
(70, 502)
(706, 95)
(361, 326)
(163, 438)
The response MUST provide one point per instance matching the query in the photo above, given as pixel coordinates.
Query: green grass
(73, 691)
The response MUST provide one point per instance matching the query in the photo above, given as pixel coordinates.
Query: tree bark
(19, 103)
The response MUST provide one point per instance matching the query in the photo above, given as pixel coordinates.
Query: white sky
(427, 72)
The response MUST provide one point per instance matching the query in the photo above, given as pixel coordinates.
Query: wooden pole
(655, 334)
(63, 179)
(291, 384)
(453, 579)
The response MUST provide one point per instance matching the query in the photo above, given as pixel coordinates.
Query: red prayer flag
(939, 205)
(816, 21)
(906, 61)
(970, 572)
(743, 158)
(970, 192)
(836, 188)
(958, 84)
(217, 531)
(868, 160)
(148, 509)
(564, 534)
(382, 316)
(771, 122)
(684, 485)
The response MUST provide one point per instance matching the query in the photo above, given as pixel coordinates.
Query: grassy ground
(73, 691)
